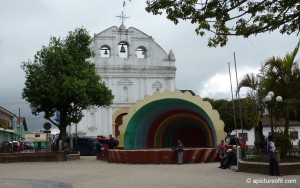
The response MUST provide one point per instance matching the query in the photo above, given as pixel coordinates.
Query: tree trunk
(63, 132)
(63, 125)
(286, 121)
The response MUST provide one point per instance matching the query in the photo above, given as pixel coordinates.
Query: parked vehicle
(6, 147)
(16, 146)
(28, 145)
(10, 147)
(87, 146)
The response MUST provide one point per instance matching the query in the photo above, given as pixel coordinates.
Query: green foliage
(264, 159)
(225, 18)
(259, 159)
(62, 79)
(282, 76)
(250, 115)
(5, 126)
(283, 143)
(255, 92)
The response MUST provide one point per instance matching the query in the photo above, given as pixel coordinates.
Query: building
(39, 139)
(132, 65)
(21, 128)
(294, 130)
(8, 122)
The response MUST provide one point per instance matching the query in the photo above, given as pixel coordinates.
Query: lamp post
(270, 101)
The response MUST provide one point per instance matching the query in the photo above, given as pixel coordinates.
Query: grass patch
(290, 159)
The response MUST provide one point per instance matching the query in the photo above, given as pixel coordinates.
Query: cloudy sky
(27, 25)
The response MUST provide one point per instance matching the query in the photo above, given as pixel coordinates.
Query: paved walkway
(89, 173)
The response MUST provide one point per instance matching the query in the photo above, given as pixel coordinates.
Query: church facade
(132, 65)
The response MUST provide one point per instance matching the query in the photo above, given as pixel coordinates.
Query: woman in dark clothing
(273, 164)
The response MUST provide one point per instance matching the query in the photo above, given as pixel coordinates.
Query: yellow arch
(177, 94)
(114, 117)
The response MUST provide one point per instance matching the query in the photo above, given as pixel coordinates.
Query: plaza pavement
(91, 173)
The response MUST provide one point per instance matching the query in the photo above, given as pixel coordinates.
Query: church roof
(277, 122)
(122, 27)
(21, 120)
(123, 31)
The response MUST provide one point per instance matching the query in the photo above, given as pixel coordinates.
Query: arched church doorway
(117, 119)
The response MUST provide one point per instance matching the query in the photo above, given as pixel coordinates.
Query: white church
(132, 65)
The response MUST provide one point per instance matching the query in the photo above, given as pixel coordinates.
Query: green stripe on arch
(161, 122)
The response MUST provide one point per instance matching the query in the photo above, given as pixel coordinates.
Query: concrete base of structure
(263, 168)
(159, 156)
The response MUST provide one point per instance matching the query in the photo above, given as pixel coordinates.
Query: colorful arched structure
(160, 120)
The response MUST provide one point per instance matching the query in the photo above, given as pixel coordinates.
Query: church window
(93, 119)
(294, 134)
(157, 86)
(141, 52)
(92, 123)
(125, 90)
(125, 94)
(123, 50)
(105, 51)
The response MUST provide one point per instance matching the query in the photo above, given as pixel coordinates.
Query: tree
(225, 111)
(283, 143)
(226, 18)
(255, 89)
(282, 75)
(250, 116)
(61, 79)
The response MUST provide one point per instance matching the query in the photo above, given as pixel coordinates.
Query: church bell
(122, 49)
(105, 52)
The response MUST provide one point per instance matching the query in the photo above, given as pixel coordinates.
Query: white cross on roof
(122, 16)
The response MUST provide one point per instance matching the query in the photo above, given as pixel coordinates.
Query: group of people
(228, 157)
(226, 154)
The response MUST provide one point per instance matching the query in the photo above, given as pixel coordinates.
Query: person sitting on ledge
(222, 157)
(112, 142)
(228, 159)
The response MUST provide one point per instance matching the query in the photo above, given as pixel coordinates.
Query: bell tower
(132, 65)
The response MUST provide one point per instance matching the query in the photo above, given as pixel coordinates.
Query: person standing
(273, 164)
(244, 147)
(222, 148)
(179, 149)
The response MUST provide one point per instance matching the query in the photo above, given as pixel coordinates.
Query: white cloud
(219, 86)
